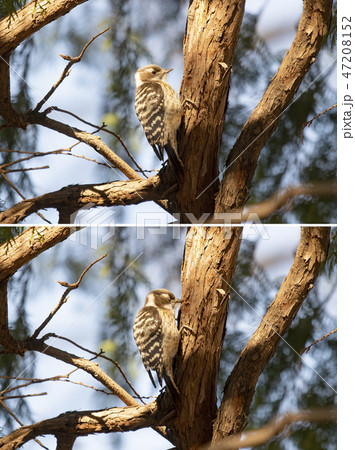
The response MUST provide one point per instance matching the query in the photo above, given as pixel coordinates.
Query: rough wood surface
(240, 386)
(30, 19)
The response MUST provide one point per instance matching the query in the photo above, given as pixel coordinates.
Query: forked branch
(240, 386)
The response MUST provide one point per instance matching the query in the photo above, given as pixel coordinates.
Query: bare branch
(23, 169)
(307, 349)
(31, 18)
(64, 297)
(93, 141)
(275, 427)
(88, 366)
(242, 159)
(74, 197)
(102, 128)
(84, 423)
(62, 378)
(309, 123)
(66, 71)
(9, 397)
(287, 197)
(10, 183)
(240, 386)
(97, 355)
(19, 422)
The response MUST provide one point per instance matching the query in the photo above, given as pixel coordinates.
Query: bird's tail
(174, 158)
(171, 385)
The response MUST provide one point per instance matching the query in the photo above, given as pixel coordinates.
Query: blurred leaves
(285, 160)
(9, 7)
(283, 386)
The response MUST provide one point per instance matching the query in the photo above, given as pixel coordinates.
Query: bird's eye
(154, 72)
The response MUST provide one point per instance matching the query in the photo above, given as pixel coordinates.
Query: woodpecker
(159, 110)
(157, 336)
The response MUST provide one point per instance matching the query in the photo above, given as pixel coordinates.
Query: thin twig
(63, 298)
(66, 71)
(22, 396)
(23, 169)
(101, 128)
(20, 423)
(96, 355)
(307, 349)
(19, 193)
(32, 155)
(309, 123)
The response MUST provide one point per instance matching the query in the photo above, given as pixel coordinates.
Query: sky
(82, 317)
(277, 23)
(274, 252)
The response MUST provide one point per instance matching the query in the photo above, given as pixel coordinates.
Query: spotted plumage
(157, 336)
(159, 110)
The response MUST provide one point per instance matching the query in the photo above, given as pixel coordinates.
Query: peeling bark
(207, 269)
(210, 40)
(87, 422)
(71, 198)
(240, 386)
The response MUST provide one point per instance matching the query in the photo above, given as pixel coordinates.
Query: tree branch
(307, 349)
(88, 366)
(65, 72)
(275, 427)
(31, 18)
(288, 197)
(64, 298)
(93, 141)
(24, 248)
(242, 159)
(240, 386)
(74, 197)
(84, 423)
(28, 245)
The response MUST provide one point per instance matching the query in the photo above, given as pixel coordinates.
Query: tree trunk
(240, 387)
(207, 270)
(210, 40)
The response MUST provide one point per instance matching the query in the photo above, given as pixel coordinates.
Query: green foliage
(283, 385)
(7, 234)
(285, 160)
(16, 140)
(11, 365)
(9, 7)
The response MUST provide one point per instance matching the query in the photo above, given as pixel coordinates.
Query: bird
(157, 336)
(159, 110)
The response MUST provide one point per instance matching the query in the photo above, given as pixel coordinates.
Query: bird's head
(150, 73)
(163, 299)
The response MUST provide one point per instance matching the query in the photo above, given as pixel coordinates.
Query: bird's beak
(168, 70)
(177, 300)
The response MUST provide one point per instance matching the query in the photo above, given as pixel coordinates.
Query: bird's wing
(149, 105)
(147, 332)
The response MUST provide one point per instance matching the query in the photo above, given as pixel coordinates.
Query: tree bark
(28, 245)
(242, 159)
(207, 269)
(82, 423)
(210, 40)
(71, 198)
(30, 19)
(240, 386)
